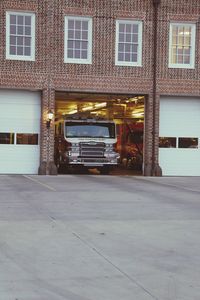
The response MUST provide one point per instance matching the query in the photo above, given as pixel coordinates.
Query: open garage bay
(127, 113)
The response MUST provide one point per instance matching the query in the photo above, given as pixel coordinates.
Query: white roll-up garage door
(179, 148)
(20, 113)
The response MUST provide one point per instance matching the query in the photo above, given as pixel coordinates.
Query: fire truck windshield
(85, 129)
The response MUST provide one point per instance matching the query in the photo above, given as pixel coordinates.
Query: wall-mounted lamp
(49, 118)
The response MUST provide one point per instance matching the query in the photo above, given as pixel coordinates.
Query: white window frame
(193, 37)
(20, 57)
(140, 32)
(87, 60)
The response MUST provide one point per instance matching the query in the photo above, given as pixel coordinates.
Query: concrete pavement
(85, 237)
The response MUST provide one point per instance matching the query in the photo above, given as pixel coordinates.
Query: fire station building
(134, 62)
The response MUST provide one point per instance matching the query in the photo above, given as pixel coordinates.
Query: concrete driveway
(84, 237)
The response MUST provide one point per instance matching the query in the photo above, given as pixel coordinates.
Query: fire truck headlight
(109, 145)
(109, 148)
(75, 147)
(68, 153)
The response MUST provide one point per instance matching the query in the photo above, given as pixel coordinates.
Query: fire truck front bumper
(94, 161)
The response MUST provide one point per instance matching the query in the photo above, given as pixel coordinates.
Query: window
(87, 129)
(167, 142)
(188, 142)
(6, 138)
(78, 40)
(20, 36)
(128, 43)
(182, 45)
(183, 142)
(27, 139)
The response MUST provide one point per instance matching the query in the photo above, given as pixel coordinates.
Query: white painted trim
(140, 32)
(75, 60)
(20, 57)
(193, 41)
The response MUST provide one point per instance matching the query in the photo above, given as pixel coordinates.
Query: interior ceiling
(118, 105)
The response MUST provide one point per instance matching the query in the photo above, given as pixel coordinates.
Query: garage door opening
(127, 113)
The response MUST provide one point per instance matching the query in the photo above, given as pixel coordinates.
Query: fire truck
(86, 143)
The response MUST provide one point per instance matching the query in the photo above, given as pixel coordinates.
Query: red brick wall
(102, 74)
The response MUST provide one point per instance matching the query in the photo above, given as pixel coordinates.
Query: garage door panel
(7, 109)
(20, 96)
(179, 116)
(18, 111)
(180, 163)
(20, 125)
(12, 159)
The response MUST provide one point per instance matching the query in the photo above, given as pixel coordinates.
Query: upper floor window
(128, 50)
(20, 36)
(78, 40)
(182, 45)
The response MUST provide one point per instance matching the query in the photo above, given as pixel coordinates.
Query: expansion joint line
(114, 266)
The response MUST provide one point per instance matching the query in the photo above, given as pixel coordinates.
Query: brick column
(156, 169)
(154, 98)
(47, 166)
(151, 137)
(148, 136)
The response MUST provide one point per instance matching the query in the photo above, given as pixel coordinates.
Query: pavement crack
(40, 183)
(114, 266)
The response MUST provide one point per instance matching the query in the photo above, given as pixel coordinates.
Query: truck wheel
(129, 164)
(105, 170)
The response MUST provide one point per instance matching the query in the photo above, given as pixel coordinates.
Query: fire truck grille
(92, 149)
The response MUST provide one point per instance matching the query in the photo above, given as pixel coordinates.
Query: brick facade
(48, 73)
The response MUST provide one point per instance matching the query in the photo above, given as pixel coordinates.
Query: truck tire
(105, 170)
